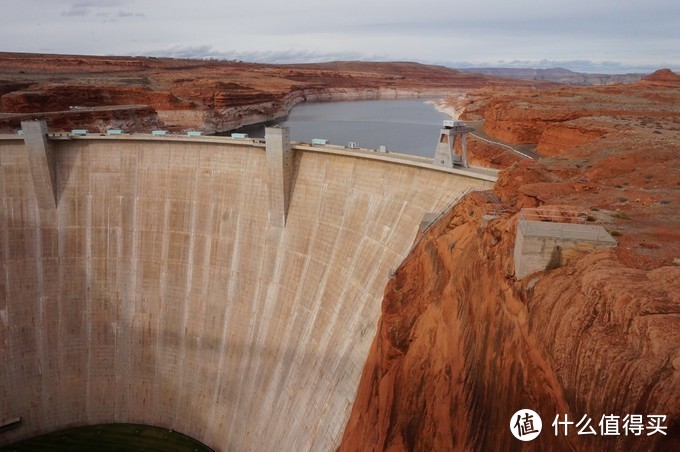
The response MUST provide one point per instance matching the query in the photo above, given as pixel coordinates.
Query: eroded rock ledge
(461, 346)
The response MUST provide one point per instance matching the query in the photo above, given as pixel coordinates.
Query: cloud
(76, 12)
(129, 14)
(86, 8)
(260, 56)
(580, 34)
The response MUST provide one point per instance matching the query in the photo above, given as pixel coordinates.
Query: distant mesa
(558, 75)
(663, 77)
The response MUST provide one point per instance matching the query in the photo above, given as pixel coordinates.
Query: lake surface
(408, 126)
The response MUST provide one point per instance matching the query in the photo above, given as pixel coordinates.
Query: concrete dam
(208, 285)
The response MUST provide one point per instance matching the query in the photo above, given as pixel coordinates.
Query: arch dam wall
(159, 292)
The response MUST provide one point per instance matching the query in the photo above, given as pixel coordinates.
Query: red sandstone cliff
(461, 345)
(62, 97)
(557, 119)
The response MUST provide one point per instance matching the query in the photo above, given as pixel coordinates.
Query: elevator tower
(446, 154)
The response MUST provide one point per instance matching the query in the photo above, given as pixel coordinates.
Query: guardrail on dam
(155, 289)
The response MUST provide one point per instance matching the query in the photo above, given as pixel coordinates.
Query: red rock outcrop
(557, 119)
(662, 77)
(518, 122)
(461, 345)
(139, 118)
(488, 155)
(555, 138)
(65, 97)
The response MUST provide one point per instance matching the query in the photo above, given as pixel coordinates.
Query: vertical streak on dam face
(162, 294)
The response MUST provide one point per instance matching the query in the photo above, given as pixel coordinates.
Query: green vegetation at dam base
(110, 438)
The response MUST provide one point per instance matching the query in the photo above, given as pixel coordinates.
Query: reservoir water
(408, 126)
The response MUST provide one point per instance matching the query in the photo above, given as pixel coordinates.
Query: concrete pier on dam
(201, 284)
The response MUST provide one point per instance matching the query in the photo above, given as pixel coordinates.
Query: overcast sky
(583, 35)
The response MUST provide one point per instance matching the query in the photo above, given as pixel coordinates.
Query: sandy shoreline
(443, 106)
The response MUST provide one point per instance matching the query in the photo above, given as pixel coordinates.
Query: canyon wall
(233, 117)
(461, 347)
(180, 116)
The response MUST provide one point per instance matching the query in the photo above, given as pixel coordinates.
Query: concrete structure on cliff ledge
(545, 238)
(152, 280)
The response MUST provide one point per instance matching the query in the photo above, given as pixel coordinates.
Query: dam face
(159, 292)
